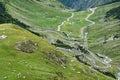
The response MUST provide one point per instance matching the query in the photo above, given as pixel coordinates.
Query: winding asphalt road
(71, 41)
(68, 19)
(87, 19)
(119, 76)
(94, 58)
(106, 61)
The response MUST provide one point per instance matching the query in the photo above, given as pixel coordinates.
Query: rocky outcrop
(62, 60)
(27, 46)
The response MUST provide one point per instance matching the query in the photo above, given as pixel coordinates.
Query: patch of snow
(3, 37)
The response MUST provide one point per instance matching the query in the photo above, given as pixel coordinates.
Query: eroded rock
(62, 60)
(27, 46)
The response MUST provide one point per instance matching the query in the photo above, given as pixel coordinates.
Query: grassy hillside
(42, 15)
(29, 57)
(39, 65)
(104, 36)
(38, 13)
(76, 23)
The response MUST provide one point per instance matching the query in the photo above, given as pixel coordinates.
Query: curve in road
(68, 19)
(106, 60)
(87, 19)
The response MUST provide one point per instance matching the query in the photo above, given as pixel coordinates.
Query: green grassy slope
(18, 65)
(105, 29)
(41, 65)
(42, 15)
(76, 23)
(38, 13)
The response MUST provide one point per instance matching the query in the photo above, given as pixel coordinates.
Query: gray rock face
(27, 46)
(83, 4)
(62, 60)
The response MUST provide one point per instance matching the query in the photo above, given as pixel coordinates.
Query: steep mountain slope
(104, 36)
(37, 13)
(27, 56)
(105, 28)
(7, 18)
(84, 4)
(42, 64)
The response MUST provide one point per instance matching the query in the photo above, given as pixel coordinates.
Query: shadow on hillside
(115, 13)
(79, 5)
(7, 18)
